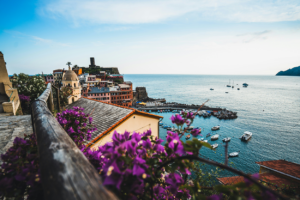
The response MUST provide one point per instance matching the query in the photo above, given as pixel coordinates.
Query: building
(70, 79)
(47, 77)
(93, 65)
(77, 70)
(109, 118)
(275, 173)
(57, 76)
(102, 94)
(9, 97)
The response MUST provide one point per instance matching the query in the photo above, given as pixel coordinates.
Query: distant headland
(290, 72)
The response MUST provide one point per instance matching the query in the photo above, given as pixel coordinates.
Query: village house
(109, 118)
(274, 173)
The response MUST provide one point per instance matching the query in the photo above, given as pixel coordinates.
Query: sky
(221, 37)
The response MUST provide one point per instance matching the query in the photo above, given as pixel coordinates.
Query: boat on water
(214, 137)
(211, 88)
(188, 137)
(160, 123)
(229, 84)
(201, 139)
(238, 89)
(214, 146)
(208, 134)
(245, 84)
(169, 128)
(226, 92)
(215, 128)
(205, 141)
(165, 126)
(226, 139)
(190, 127)
(247, 135)
(234, 154)
(233, 85)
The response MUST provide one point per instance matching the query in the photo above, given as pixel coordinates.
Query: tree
(63, 95)
(32, 86)
(69, 63)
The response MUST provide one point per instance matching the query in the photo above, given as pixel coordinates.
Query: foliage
(32, 86)
(77, 124)
(63, 95)
(20, 170)
(133, 166)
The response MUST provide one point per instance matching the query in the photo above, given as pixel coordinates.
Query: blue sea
(269, 108)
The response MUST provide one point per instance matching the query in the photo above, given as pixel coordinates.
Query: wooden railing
(65, 171)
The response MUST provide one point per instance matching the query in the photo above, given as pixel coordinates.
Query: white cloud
(146, 11)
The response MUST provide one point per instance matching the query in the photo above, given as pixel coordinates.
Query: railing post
(65, 172)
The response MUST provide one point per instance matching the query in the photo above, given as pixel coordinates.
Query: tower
(70, 79)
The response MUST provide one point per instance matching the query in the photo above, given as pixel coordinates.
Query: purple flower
(195, 132)
(174, 180)
(177, 119)
(215, 197)
(147, 133)
(248, 182)
(147, 144)
(90, 120)
(76, 122)
(190, 115)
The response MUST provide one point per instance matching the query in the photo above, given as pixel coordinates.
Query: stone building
(70, 79)
(9, 97)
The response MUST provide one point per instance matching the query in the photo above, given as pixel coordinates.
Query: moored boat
(214, 137)
(201, 139)
(188, 137)
(205, 141)
(215, 128)
(214, 146)
(208, 134)
(247, 135)
(234, 154)
(226, 139)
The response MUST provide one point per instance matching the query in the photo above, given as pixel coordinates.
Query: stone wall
(12, 127)
(141, 93)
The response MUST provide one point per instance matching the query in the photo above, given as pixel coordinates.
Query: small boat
(205, 141)
(229, 84)
(233, 85)
(208, 134)
(226, 139)
(215, 128)
(211, 88)
(169, 128)
(190, 128)
(160, 123)
(214, 146)
(214, 137)
(226, 92)
(165, 127)
(238, 89)
(247, 135)
(234, 154)
(188, 137)
(245, 85)
(201, 139)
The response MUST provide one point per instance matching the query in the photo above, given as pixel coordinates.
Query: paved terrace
(12, 127)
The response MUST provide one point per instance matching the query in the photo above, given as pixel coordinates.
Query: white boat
(214, 146)
(234, 154)
(215, 128)
(247, 135)
(226, 139)
(201, 139)
(205, 141)
(190, 128)
(214, 137)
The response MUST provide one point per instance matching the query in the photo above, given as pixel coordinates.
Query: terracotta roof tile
(283, 166)
(266, 177)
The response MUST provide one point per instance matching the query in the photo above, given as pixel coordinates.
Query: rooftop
(124, 86)
(266, 177)
(106, 116)
(283, 166)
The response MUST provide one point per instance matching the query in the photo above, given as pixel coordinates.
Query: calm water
(269, 108)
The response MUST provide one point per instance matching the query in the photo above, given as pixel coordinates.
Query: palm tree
(69, 63)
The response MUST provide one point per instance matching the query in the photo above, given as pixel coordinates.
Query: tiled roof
(286, 167)
(266, 177)
(104, 115)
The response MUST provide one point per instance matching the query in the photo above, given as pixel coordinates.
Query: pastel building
(102, 94)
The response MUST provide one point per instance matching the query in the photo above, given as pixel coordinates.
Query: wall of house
(136, 122)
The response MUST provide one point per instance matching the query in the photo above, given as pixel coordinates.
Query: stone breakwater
(12, 127)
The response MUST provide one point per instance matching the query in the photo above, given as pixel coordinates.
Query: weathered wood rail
(65, 171)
